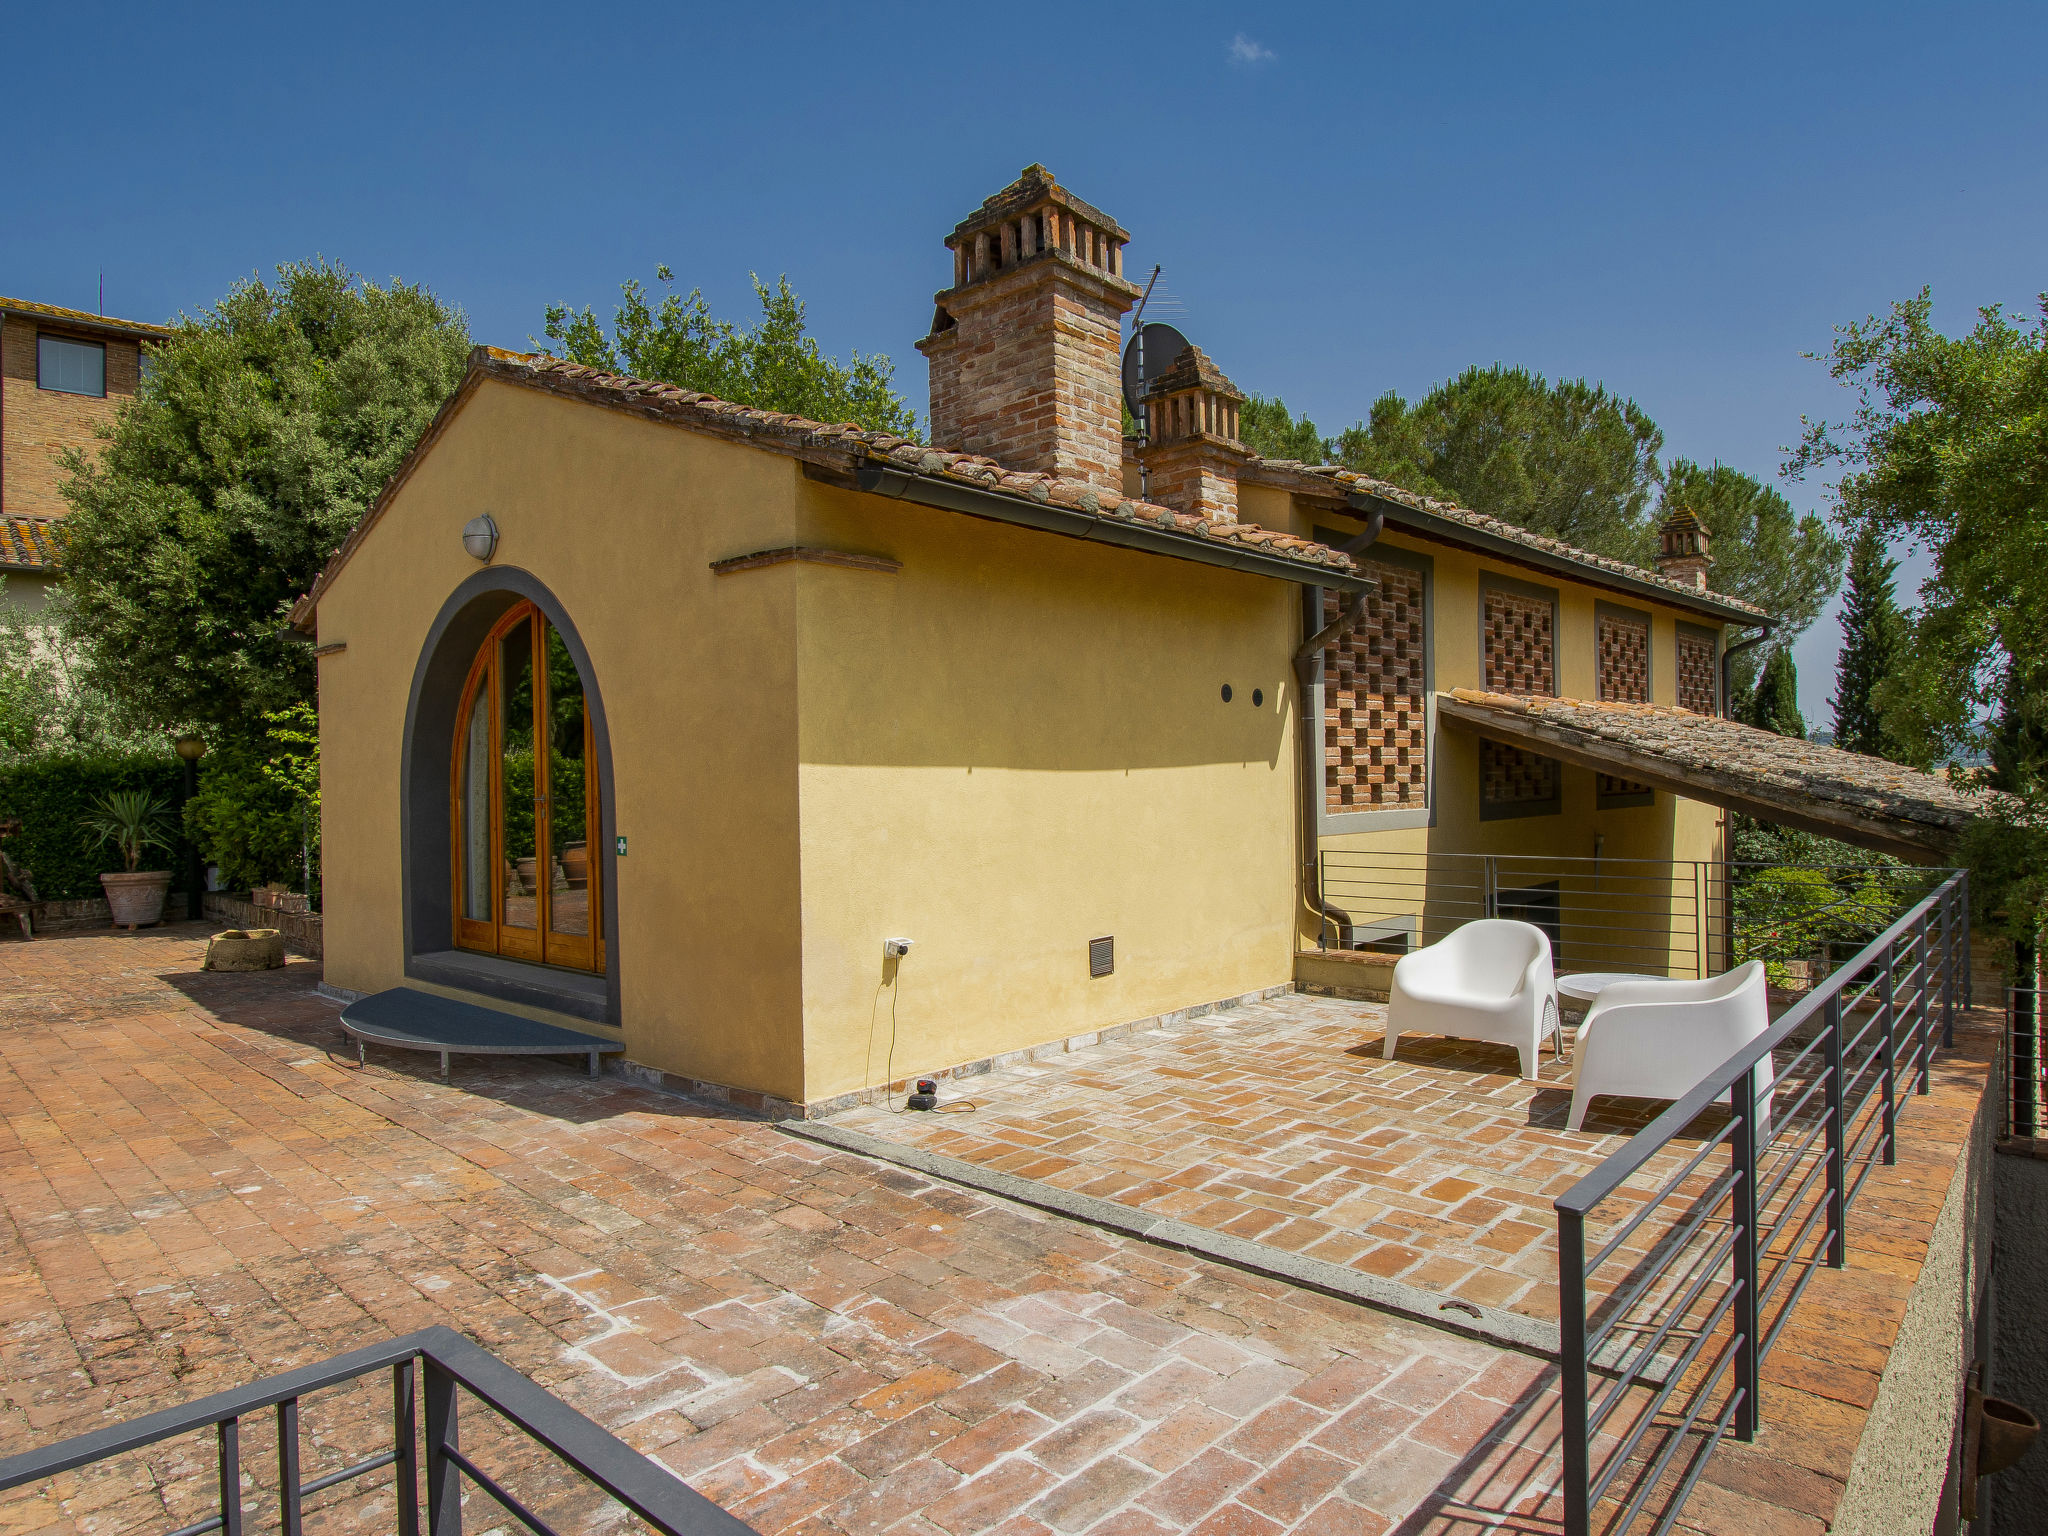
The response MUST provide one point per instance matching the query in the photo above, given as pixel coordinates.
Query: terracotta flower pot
(136, 899)
(576, 864)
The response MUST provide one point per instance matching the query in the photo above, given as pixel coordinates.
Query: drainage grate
(1101, 955)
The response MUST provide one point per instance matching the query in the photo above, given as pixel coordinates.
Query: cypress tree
(1872, 634)
(1775, 704)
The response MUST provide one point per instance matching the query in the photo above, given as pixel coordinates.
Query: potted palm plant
(132, 820)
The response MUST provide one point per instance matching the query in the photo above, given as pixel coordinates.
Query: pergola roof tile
(1858, 799)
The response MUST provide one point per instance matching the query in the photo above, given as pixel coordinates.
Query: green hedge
(52, 795)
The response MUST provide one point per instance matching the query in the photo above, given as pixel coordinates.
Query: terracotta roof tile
(30, 543)
(774, 428)
(841, 446)
(82, 318)
(1334, 479)
(1924, 808)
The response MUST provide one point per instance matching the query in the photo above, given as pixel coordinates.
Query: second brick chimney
(1193, 458)
(1682, 549)
(1024, 348)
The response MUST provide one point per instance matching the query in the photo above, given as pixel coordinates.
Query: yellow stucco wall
(620, 519)
(1013, 746)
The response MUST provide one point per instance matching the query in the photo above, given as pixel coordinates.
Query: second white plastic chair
(1659, 1039)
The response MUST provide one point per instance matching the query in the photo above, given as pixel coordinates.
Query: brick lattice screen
(1608, 787)
(1519, 645)
(1508, 776)
(1624, 648)
(1375, 705)
(1520, 658)
(1623, 644)
(1698, 688)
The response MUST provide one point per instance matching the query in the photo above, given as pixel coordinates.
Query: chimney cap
(1034, 185)
(1193, 370)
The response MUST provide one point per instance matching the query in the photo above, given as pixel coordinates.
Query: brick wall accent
(1520, 657)
(1510, 777)
(1520, 646)
(1623, 642)
(1375, 704)
(1622, 645)
(1698, 674)
(36, 425)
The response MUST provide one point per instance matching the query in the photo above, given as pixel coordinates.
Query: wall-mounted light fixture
(480, 536)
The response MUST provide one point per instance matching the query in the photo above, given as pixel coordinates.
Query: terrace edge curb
(1491, 1325)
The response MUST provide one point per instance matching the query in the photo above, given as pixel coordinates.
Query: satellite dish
(1163, 344)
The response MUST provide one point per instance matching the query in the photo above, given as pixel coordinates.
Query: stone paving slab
(198, 1187)
(1280, 1123)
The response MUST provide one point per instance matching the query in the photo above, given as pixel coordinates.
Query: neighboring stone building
(63, 373)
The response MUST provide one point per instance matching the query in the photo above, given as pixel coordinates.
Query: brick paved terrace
(200, 1188)
(1280, 1123)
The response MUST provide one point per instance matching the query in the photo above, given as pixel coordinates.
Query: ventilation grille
(1101, 956)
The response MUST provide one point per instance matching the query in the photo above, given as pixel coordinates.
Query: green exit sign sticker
(622, 845)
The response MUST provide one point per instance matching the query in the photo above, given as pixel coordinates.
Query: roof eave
(1049, 517)
(1449, 530)
(52, 315)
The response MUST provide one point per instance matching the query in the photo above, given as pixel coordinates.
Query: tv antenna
(1153, 349)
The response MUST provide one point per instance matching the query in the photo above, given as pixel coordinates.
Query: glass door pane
(517, 857)
(475, 810)
(568, 803)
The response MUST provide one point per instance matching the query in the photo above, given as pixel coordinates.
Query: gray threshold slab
(1491, 1325)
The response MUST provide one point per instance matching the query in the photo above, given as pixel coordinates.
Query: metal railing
(1664, 1328)
(428, 1371)
(2023, 1105)
(1687, 918)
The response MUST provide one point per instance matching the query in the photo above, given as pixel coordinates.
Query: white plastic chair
(1659, 1039)
(1488, 980)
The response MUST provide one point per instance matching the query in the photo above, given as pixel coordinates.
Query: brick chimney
(1194, 456)
(1024, 349)
(1682, 549)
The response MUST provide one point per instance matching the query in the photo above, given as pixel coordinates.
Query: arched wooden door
(526, 832)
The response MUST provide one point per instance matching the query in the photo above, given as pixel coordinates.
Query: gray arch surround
(423, 821)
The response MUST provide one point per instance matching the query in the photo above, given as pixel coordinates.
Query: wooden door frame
(484, 681)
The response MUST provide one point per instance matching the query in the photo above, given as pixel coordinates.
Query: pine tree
(1775, 704)
(1872, 634)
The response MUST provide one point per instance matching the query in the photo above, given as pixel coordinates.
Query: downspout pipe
(1728, 667)
(1306, 659)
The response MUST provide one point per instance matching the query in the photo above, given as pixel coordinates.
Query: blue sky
(1676, 201)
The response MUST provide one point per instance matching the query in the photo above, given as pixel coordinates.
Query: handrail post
(288, 1502)
(1743, 1315)
(1923, 1016)
(1948, 971)
(1838, 1206)
(2024, 1047)
(1888, 1043)
(444, 1477)
(1571, 1361)
(405, 1472)
(229, 1432)
(1969, 946)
